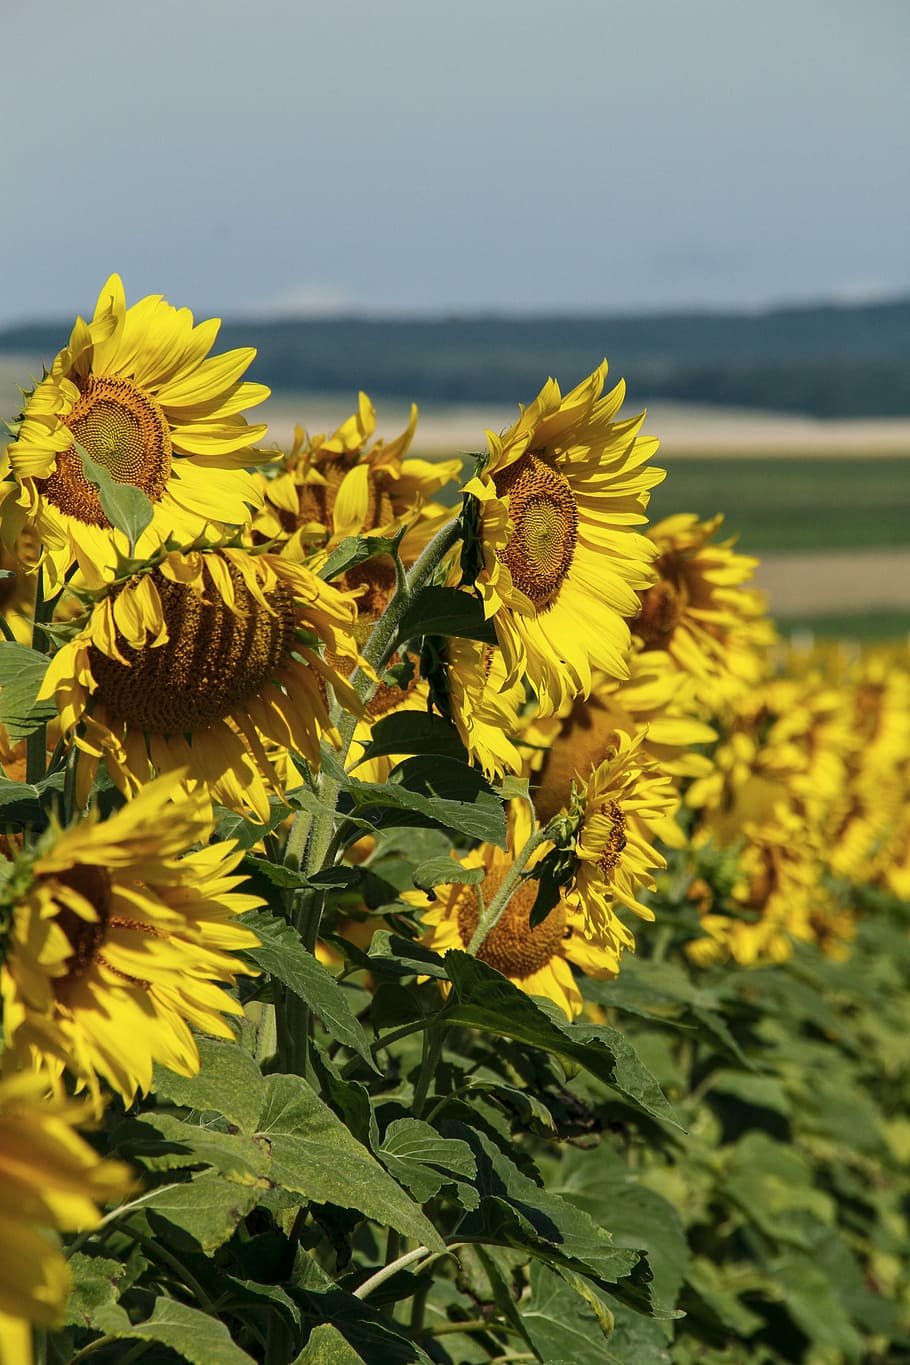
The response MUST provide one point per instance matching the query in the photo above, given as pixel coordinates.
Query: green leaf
(27, 803)
(314, 1154)
(771, 1182)
(125, 506)
(229, 1083)
(207, 1208)
(446, 611)
(163, 1142)
(415, 1154)
(327, 1346)
(396, 956)
(281, 953)
(414, 732)
(446, 872)
(96, 1289)
(197, 1337)
(515, 1211)
(289, 879)
(355, 550)
(637, 1217)
(716, 1284)
(815, 1306)
(369, 1334)
(247, 833)
(438, 792)
(22, 671)
(566, 1319)
(486, 1000)
(763, 1092)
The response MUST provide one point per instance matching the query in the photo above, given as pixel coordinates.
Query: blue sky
(408, 156)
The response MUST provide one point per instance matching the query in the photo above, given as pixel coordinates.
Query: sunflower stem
(490, 917)
(294, 1020)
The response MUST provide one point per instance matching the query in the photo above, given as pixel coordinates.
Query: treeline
(826, 361)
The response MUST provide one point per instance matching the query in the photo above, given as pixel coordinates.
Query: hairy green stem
(432, 1051)
(489, 918)
(387, 1271)
(294, 1016)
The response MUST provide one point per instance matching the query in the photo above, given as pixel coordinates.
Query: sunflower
(138, 390)
(327, 488)
(483, 704)
(622, 803)
(561, 566)
(538, 960)
(197, 662)
(776, 897)
(118, 943)
(700, 610)
(655, 703)
(50, 1181)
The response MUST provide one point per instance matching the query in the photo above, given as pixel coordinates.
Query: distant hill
(825, 361)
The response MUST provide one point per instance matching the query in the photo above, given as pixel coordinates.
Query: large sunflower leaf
(229, 1082)
(486, 1000)
(281, 952)
(414, 732)
(600, 1183)
(434, 792)
(415, 1154)
(22, 671)
(28, 803)
(196, 1336)
(96, 1288)
(567, 1320)
(515, 1211)
(207, 1209)
(355, 550)
(446, 611)
(352, 1331)
(315, 1155)
(163, 1142)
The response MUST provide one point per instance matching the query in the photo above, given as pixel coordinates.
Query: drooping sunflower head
(620, 806)
(137, 390)
(119, 939)
(198, 663)
(50, 1181)
(653, 703)
(537, 959)
(330, 487)
(700, 610)
(560, 562)
(483, 705)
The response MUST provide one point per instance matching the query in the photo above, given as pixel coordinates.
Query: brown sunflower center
(93, 884)
(122, 429)
(214, 661)
(513, 948)
(616, 840)
(541, 548)
(377, 581)
(662, 606)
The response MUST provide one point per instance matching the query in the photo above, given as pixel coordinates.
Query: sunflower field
(440, 920)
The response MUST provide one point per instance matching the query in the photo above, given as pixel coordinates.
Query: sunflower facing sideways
(197, 663)
(702, 611)
(118, 943)
(137, 389)
(50, 1181)
(561, 565)
(330, 487)
(539, 959)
